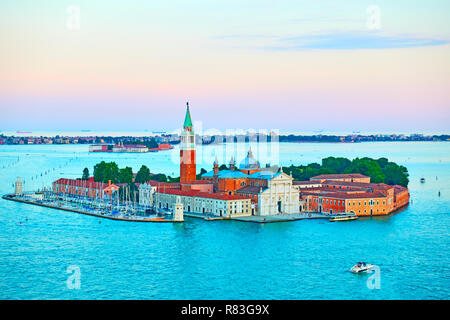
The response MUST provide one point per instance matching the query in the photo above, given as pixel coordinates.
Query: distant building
(360, 198)
(84, 188)
(120, 147)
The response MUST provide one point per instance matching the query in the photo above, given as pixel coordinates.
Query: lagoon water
(197, 259)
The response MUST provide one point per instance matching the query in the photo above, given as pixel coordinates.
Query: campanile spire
(187, 119)
(188, 168)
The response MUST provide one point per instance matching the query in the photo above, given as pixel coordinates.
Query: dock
(12, 197)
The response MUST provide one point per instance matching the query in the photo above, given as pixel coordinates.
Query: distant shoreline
(231, 142)
(247, 137)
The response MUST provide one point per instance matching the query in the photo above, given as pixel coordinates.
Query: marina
(77, 207)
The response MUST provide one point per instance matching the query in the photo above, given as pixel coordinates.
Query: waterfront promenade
(68, 206)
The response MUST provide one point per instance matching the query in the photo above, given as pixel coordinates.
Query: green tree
(368, 167)
(105, 171)
(99, 171)
(396, 174)
(85, 174)
(151, 144)
(161, 177)
(336, 165)
(383, 162)
(143, 175)
(173, 180)
(126, 175)
(199, 176)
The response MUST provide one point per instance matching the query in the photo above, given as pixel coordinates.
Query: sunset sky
(299, 66)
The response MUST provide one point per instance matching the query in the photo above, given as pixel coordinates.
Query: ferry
(361, 267)
(344, 218)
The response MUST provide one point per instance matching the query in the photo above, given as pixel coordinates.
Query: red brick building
(360, 198)
(85, 188)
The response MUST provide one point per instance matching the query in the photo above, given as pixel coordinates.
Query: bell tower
(187, 150)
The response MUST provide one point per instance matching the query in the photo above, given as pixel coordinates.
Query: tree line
(379, 170)
(110, 171)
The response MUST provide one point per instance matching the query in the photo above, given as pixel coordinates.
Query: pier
(57, 205)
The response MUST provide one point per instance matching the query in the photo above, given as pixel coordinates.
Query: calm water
(224, 260)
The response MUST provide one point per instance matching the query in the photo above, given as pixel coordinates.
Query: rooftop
(82, 183)
(224, 174)
(358, 184)
(339, 176)
(264, 175)
(251, 189)
(347, 195)
(199, 194)
(305, 182)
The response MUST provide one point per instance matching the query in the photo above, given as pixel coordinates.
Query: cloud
(354, 41)
(338, 41)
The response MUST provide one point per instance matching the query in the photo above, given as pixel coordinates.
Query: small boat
(361, 267)
(156, 219)
(422, 180)
(343, 218)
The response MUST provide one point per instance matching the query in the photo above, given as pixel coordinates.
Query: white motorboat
(361, 267)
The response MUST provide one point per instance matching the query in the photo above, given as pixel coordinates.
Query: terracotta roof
(382, 186)
(251, 189)
(339, 176)
(304, 182)
(195, 193)
(82, 183)
(344, 195)
(398, 189)
(197, 182)
(164, 184)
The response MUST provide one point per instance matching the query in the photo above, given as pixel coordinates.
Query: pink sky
(120, 74)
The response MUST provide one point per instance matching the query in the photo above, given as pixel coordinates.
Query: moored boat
(156, 219)
(344, 218)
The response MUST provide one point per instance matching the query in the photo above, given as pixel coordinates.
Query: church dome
(249, 162)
